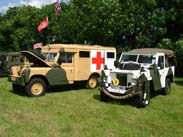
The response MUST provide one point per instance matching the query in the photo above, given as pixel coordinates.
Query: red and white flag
(37, 45)
(57, 7)
(43, 24)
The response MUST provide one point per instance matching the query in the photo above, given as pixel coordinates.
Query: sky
(5, 4)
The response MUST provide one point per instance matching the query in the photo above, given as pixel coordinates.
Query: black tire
(17, 88)
(104, 97)
(167, 88)
(92, 82)
(36, 87)
(143, 99)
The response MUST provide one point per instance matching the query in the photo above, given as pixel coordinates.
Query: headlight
(115, 82)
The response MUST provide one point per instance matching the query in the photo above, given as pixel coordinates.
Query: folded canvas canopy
(167, 52)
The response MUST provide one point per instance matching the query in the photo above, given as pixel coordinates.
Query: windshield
(49, 56)
(127, 58)
(146, 59)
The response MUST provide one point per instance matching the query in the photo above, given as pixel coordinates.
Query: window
(161, 62)
(50, 56)
(146, 59)
(84, 54)
(66, 57)
(110, 55)
(166, 62)
(126, 58)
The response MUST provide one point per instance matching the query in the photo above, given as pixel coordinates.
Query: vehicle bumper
(129, 93)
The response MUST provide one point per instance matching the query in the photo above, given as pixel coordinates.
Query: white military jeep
(139, 73)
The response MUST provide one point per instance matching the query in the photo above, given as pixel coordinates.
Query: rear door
(157, 71)
(162, 70)
(110, 57)
(97, 60)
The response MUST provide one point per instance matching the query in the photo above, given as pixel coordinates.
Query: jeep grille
(122, 79)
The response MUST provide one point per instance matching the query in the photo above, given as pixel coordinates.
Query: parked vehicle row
(139, 73)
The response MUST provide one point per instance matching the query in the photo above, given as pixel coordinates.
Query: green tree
(17, 28)
(125, 24)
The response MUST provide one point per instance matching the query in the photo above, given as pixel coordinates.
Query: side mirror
(57, 59)
(61, 50)
(152, 66)
(142, 69)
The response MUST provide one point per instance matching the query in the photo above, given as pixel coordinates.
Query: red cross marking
(98, 61)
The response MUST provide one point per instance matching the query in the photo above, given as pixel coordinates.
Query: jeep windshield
(144, 59)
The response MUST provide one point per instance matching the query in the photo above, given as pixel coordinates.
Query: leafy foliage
(125, 24)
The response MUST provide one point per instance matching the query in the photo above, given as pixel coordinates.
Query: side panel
(110, 57)
(82, 66)
(55, 76)
(69, 73)
(97, 60)
(102, 58)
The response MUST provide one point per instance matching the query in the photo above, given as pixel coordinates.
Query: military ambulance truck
(140, 73)
(61, 64)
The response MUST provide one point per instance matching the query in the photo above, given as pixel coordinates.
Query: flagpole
(57, 8)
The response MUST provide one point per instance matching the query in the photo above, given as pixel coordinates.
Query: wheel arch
(42, 77)
(94, 74)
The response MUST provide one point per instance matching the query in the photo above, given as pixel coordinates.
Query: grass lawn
(80, 113)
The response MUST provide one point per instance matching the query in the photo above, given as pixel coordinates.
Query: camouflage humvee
(140, 72)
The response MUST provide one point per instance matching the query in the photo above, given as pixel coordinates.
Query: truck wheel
(167, 88)
(144, 97)
(36, 87)
(103, 97)
(17, 88)
(92, 82)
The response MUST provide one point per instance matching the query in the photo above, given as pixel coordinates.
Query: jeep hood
(134, 73)
(35, 58)
(117, 70)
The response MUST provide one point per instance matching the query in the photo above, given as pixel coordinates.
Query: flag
(57, 7)
(37, 45)
(43, 24)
